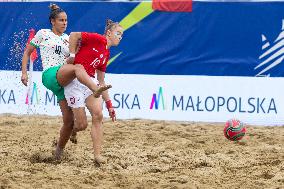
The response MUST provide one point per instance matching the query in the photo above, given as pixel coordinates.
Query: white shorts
(76, 93)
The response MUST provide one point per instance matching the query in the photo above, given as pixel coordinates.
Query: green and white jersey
(54, 49)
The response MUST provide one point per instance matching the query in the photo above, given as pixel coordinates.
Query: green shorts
(50, 82)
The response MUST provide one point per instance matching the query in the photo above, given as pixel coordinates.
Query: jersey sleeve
(91, 38)
(38, 38)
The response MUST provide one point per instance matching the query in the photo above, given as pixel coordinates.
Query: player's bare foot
(73, 137)
(101, 89)
(57, 153)
(99, 160)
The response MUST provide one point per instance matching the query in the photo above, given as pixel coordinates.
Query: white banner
(253, 100)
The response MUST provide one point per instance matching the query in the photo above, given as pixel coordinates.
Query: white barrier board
(254, 100)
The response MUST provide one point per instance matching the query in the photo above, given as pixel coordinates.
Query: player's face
(60, 22)
(115, 35)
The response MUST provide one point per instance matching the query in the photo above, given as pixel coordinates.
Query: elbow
(75, 35)
(27, 53)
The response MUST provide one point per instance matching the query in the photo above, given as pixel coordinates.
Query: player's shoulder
(44, 31)
(90, 35)
(93, 34)
(99, 37)
(65, 36)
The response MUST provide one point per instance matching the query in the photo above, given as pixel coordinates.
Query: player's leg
(73, 137)
(66, 129)
(80, 119)
(80, 123)
(74, 94)
(94, 105)
(69, 72)
(50, 82)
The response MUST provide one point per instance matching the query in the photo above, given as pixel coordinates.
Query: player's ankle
(58, 153)
(99, 159)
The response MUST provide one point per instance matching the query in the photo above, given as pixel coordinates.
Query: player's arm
(105, 95)
(25, 61)
(74, 40)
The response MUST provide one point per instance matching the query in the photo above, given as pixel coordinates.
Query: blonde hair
(110, 24)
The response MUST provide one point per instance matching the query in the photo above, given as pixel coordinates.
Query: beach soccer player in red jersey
(93, 55)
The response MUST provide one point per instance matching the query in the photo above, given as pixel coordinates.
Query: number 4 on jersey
(58, 49)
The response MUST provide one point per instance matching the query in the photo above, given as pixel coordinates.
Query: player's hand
(112, 114)
(24, 79)
(70, 60)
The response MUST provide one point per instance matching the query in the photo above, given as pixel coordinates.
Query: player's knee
(80, 126)
(84, 126)
(79, 67)
(97, 117)
(68, 122)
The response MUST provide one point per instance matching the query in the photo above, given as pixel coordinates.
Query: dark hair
(54, 11)
(110, 24)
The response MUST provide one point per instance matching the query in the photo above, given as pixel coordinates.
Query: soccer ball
(234, 130)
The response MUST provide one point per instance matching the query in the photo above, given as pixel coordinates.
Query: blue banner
(215, 39)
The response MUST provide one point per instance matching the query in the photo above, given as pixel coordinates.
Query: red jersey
(93, 53)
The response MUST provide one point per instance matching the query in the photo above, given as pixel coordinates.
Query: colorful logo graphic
(141, 11)
(157, 99)
(273, 54)
(31, 95)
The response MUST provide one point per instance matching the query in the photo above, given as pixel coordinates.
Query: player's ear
(108, 33)
(52, 22)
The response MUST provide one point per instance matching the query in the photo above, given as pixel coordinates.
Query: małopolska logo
(36, 96)
(31, 95)
(157, 99)
(273, 54)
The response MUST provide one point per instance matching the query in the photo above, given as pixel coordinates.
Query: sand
(140, 154)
